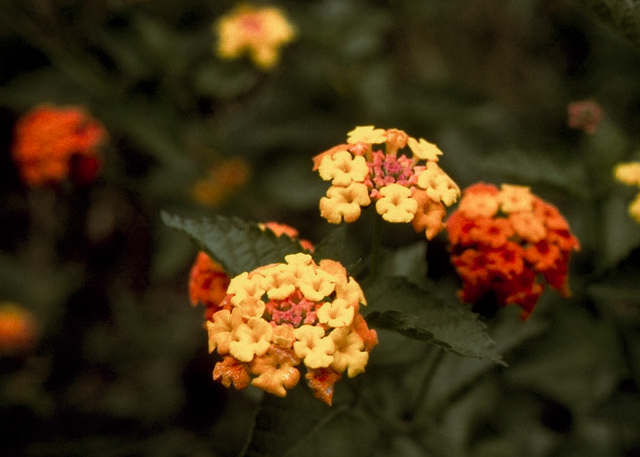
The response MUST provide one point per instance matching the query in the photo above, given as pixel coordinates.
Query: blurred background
(114, 361)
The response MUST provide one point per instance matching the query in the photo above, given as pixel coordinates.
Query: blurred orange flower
(221, 181)
(18, 329)
(502, 241)
(53, 144)
(257, 31)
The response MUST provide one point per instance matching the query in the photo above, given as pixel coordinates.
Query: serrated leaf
(236, 244)
(416, 313)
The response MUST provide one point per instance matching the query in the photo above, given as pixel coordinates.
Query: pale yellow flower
(367, 134)
(257, 31)
(343, 168)
(316, 284)
(338, 313)
(250, 339)
(283, 335)
(438, 185)
(221, 328)
(276, 370)
(396, 204)
(424, 150)
(243, 286)
(514, 198)
(634, 208)
(344, 202)
(349, 352)
(628, 173)
(313, 347)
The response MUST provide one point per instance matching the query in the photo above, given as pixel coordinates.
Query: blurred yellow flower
(367, 134)
(514, 199)
(221, 181)
(256, 31)
(628, 173)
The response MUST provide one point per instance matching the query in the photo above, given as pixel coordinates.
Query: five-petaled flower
(256, 31)
(629, 173)
(502, 241)
(284, 316)
(53, 144)
(370, 167)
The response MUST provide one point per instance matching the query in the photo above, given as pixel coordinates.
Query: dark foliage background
(121, 366)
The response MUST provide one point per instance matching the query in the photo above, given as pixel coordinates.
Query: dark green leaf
(621, 15)
(237, 245)
(415, 312)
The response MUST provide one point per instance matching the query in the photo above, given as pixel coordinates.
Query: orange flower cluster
(257, 31)
(208, 281)
(18, 329)
(406, 188)
(285, 315)
(53, 144)
(503, 241)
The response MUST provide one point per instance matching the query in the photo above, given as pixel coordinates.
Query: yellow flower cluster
(406, 188)
(257, 31)
(629, 173)
(283, 315)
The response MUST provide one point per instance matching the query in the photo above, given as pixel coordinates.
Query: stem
(376, 240)
(423, 389)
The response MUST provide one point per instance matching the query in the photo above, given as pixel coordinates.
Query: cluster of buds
(53, 144)
(257, 31)
(406, 188)
(285, 315)
(629, 173)
(504, 240)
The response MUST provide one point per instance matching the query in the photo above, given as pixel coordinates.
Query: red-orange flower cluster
(53, 144)
(504, 241)
(18, 329)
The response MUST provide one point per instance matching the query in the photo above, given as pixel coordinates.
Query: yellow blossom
(344, 202)
(424, 150)
(313, 347)
(429, 216)
(634, 208)
(528, 226)
(250, 307)
(367, 134)
(396, 204)
(338, 313)
(438, 185)
(343, 168)
(514, 199)
(276, 370)
(283, 335)
(628, 173)
(278, 281)
(250, 339)
(258, 31)
(243, 286)
(396, 139)
(316, 285)
(221, 328)
(349, 352)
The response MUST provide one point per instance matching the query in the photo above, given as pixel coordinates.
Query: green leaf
(237, 245)
(416, 313)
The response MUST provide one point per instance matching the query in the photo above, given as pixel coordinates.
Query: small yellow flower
(343, 168)
(367, 134)
(344, 202)
(514, 199)
(278, 281)
(276, 370)
(396, 204)
(316, 285)
(313, 347)
(283, 335)
(424, 150)
(349, 352)
(338, 313)
(628, 173)
(221, 328)
(250, 307)
(250, 339)
(438, 185)
(528, 226)
(634, 208)
(259, 32)
(243, 286)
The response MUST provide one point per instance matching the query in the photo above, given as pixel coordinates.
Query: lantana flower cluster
(629, 173)
(406, 187)
(287, 315)
(53, 144)
(505, 241)
(256, 31)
